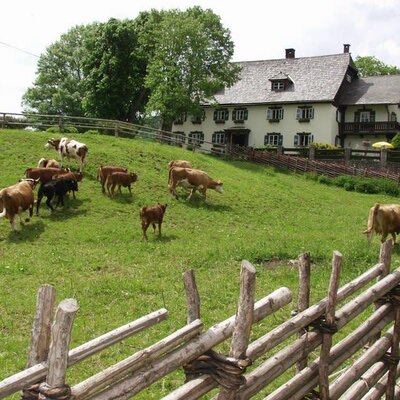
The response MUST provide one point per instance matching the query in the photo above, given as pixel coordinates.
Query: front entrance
(239, 137)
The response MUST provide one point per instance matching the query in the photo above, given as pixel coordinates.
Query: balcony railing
(386, 127)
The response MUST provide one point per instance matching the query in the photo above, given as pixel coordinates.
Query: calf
(48, 163)
(152, 215)
(177, 163)
(70, 175)
(69, 148)
(193, 179)
(44, 174)
(384, 219)
(120, 179)
(17, 198)
(104, 171)
(56, 187)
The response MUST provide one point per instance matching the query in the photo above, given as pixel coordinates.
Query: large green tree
(58, 86)
(114, 72)
(371, 66)
(190, 61)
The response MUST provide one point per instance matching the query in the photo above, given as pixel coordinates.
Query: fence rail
(292, 342)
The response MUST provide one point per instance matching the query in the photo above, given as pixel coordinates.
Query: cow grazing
(119, 179)
(17, 198)
(384, 219)
(193, 179)
(104, 171)
(152, 215)
(70, 175)
(177, 163)
(44, 174)
(48, 163)
(57, 188)
(69, 148)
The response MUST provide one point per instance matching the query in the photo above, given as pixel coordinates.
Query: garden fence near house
(366, 358)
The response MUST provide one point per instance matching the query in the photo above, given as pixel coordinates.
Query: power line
(16, 48)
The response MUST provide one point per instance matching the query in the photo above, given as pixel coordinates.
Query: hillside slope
(92, 249)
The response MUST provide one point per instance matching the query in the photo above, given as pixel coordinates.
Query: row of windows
(304, 113)
(272, 139)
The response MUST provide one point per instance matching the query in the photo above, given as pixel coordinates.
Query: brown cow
(193, 179)
(152, 215)
(48, 163)
(177, 163)
(44, 174)
(119, 179)
(17, 198)
(77, 176)
(104, 171)
(384, 219)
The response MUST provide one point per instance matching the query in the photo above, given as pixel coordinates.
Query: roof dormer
(280, 82)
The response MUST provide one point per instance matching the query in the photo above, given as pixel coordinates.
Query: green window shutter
(226, 115)
(311, 113)
(233, 115)
(280, 140)
(311, 138)
(357, 116)
(269, 113)
(299, 113)
(215, 115)
(372, 116)
(296, 140)
(246, 113)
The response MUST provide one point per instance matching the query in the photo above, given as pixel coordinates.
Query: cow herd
(56, 181)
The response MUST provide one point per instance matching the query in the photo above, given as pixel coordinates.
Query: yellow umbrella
(382, 145)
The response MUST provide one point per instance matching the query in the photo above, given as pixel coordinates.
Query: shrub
(53, 129)
(396, 141)
(92, 132)
(324, 179)
(325, 146)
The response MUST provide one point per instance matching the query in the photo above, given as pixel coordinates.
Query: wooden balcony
(369, 128)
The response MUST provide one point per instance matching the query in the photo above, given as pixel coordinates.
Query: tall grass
(92, 249)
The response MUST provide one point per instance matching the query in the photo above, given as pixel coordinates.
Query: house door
(239, 137)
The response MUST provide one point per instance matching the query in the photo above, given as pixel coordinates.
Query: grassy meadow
(92, 250)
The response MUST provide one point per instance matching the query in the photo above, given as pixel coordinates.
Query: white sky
(260, 29)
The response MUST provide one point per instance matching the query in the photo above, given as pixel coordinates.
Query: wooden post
(330, 321)
(243, 321)
(394, 355)
(41, 332)
(192, 296)
(304, 297)
(54, 386)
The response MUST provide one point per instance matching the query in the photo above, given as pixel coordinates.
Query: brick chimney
(290, 53)
(346, 48)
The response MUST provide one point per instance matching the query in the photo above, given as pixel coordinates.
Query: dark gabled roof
(383, 89)
(316, 79)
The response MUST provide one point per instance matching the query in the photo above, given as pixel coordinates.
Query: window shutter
(296, 139)
(269, 113)
(280, 113)
(234, 115)
(280, 140)
(311, 138)
(357, 116)
(215, 115)
(311, 113)
(246, 113)
(372, 116)
(298, 114)
(226, 115)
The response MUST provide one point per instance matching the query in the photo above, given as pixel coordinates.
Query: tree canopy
(371, 66)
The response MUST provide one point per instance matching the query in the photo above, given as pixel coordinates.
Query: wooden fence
(301, 164)
(367, 357)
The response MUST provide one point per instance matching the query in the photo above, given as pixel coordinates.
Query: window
(219, 138)
(348, 78)
(178, 138)
(364, 116)
(274, 114)
(278, 86)
(180, 119)
(221, 115)
(273, 139)
(196, 138)
(305, 113)
(303, 139)
(198, 119)
(239, 114)
(393, 117)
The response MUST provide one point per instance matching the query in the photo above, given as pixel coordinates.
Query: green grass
(92, 250)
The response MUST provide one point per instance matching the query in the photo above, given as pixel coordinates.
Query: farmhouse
(296, 101)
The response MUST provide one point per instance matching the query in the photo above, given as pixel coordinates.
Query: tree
(190, 62)
(114, 72)
(58, 87)
(371, 66)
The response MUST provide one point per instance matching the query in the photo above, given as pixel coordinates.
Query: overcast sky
(260, 30)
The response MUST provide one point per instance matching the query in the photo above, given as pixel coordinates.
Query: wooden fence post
(192, 296)
(41, 332)
(243, 323)
(330, 327)
(55, 386)
(303, 297)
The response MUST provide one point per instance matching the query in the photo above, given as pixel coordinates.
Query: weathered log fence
(367, 357)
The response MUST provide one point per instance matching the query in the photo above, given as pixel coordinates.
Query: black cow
(58, 188)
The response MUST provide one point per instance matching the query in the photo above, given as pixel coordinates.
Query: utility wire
(16, 48)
